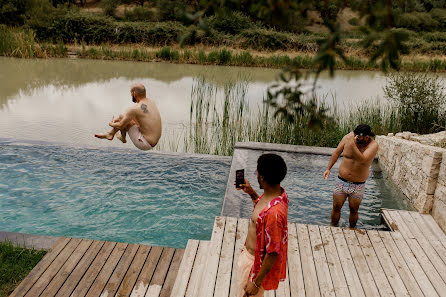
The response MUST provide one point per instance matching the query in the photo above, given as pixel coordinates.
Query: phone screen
(239, 177)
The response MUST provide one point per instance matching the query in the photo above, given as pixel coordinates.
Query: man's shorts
(245, 263)
(351, 189)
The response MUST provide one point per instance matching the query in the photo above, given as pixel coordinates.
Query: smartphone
(239, 177)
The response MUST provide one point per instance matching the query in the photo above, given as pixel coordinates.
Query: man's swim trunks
(351, 189)
(138, 139)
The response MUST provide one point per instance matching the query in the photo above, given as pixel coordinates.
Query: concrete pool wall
(418, 167)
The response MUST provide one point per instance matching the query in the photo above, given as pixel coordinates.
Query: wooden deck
(327, 261)
(82, 267)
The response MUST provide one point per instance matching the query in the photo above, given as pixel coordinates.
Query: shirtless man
(262, 262)
(142, 121)
(359, 150)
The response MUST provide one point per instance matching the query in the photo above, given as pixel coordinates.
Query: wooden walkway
(81, 267)
(327, 261)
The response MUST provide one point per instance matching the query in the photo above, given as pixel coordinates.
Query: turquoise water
(109, 194)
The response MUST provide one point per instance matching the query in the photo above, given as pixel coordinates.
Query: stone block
(424, 203)
(429, 186)
(439, 214)
(440, 192)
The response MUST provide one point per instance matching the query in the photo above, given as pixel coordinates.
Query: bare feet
(108, 136)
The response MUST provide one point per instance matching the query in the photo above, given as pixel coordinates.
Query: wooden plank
(284, 287)
(308, 267)
(81, 268)
(208, 284)
(89, 277)
(387, 265)
(160, 273)
(428, 227)
(270, 293)
(132, 274)
(223, 282)
(388, 219)
(432, 250)
(147, 271)
(363, 270)
(196, 276)
(62, 275)
(107, 270)
(410, 246)
(184, 272)
(434, 226)
(399, 262)
(374, 265)
(424, 230)
(40, 268)
(350, 272)
(297, 287)
(52, 270)
(334, 263)
(320, 262)
(172, 274)
(120, 270)
(402, 227)
(242, 231)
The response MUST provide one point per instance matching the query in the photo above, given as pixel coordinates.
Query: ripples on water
(110, 194)
(153, 198)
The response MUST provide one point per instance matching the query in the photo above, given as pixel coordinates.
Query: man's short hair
(139, 89)
(363, 130)
(272, 168)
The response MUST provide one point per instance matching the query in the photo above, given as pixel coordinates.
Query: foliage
(170, 10)
(12, 12)
(109, 6)
(420, 100)
(15, 264)
(139, 14)
(230, 22)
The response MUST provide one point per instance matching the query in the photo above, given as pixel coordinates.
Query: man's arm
(128, 116)
(246, 187)
(367, 155)
(267, 265)
(334, 157)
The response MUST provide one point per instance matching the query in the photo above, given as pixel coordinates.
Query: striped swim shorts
(351, 189)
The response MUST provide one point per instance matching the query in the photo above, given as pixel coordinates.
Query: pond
(67, 101)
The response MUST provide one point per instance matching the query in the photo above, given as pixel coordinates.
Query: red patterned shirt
(272, 237)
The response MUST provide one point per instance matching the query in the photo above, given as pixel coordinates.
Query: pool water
(311, 196)
(110, 194)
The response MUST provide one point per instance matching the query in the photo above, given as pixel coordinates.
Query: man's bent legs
(245, 263)
(338, 202)
(353, 204)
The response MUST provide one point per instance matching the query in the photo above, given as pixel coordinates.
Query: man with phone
(262, 262)
(142, 121)
(359, 150)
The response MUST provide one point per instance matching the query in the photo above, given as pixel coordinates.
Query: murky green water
(67, 101)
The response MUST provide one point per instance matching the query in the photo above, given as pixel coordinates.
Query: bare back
(354, 169)
(147, 116)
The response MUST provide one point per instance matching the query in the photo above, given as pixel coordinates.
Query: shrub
(231, 22)
(170, 10)
(109, 6)
(267, 39)
(139, 14)
(12, 12)
(420, 100)
(418, 21)
(353, 22)
(440, 16)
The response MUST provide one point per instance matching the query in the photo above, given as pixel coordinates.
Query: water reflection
(62, 100)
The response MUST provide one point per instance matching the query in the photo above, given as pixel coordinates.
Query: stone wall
(418, 168)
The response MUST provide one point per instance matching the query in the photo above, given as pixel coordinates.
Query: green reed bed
(217, 124)
(15, 264)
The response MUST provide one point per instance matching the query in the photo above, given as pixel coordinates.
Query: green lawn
(15, 264)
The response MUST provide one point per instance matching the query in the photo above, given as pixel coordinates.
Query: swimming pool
(110, 194)
(310, 194)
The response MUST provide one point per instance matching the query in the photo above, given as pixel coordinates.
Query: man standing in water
(142, 121)
(359, 150)
(262, 262)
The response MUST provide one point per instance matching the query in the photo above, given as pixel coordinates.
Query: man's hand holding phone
(242, 184)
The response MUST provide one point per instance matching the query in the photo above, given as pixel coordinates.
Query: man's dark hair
(363, 130)
(272, 167)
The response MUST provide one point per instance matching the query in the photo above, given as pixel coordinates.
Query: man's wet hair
(363, 130)
(272, 167)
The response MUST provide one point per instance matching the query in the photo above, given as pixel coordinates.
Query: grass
(15, 264)
(217, 123)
